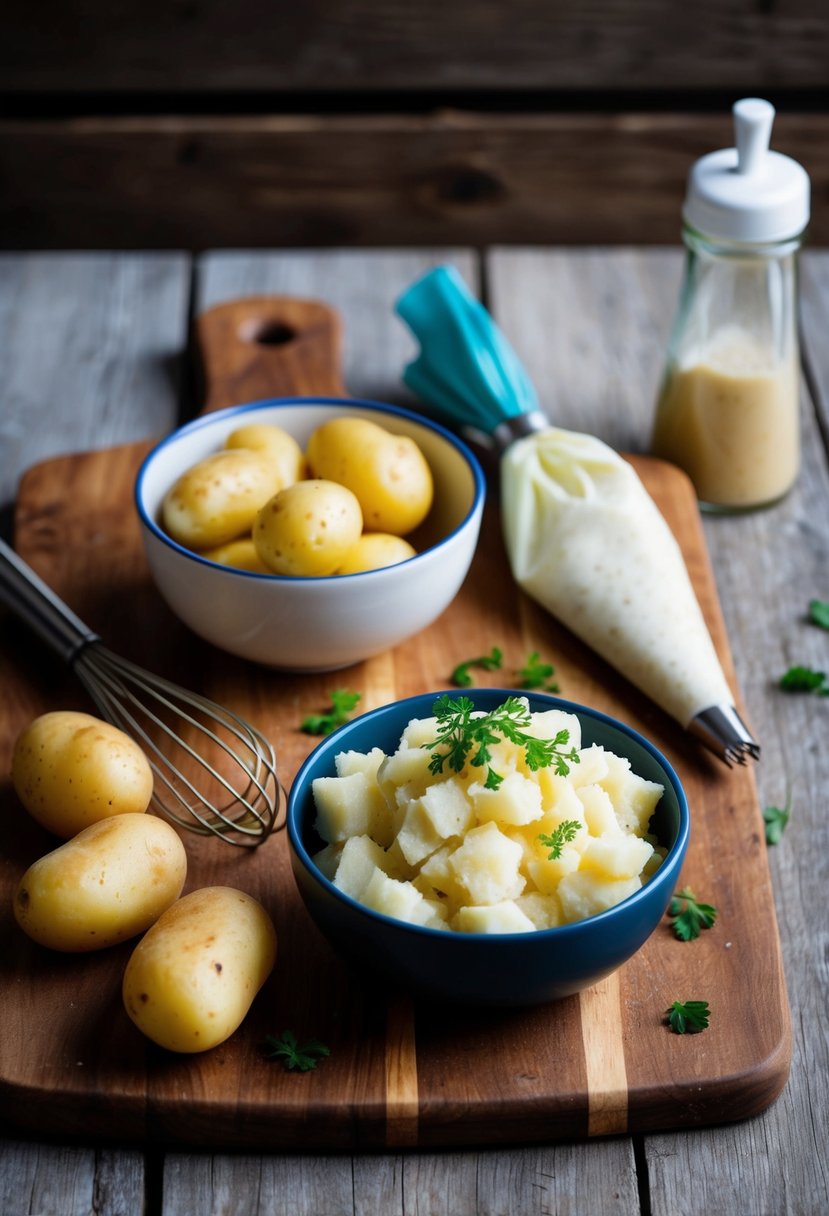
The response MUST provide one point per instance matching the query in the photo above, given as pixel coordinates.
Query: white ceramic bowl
(314, 624)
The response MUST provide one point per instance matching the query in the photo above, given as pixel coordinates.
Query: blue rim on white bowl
(487, 969)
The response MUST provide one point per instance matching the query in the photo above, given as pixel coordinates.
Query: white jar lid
(748, 193)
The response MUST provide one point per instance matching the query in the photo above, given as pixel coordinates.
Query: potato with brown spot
(109, 883)
(193, 977)
(388, 473)
(216, 500)
(71, 770)
(308, 529)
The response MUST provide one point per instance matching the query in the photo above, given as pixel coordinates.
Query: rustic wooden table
(94, 351)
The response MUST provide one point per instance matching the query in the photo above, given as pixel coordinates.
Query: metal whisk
(235, 794)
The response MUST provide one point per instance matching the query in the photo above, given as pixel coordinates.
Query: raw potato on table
(109, 883)
(192, 978)
(71, 770)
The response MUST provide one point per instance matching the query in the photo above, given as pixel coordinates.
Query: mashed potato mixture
(484, 829)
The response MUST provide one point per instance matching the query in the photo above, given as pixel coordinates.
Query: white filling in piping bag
(583, 536)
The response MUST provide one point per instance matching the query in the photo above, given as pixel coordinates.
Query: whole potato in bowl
(388, 473)
(322, 623)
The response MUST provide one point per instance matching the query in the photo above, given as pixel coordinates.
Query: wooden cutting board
(399, 1073)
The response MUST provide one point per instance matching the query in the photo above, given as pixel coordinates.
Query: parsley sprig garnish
(805, 679)
(776, 819)
(536, 674)
(488, 662)
(819, 613)
(688, 1017)
(295, 1057)
(559, 837)
(463, 737)
(689, 915)
(343, 701)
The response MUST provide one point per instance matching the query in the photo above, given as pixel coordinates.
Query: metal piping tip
(723, 732)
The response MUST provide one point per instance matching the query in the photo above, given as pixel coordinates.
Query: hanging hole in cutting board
(268, 333)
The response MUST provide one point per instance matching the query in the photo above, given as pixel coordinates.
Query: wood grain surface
(399, 1074)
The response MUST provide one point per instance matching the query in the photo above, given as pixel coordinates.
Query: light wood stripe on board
(604, 1054)
(401, 1074)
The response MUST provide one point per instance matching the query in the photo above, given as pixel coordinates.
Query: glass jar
(728, 406)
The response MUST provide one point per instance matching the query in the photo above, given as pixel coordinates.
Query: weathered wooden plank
(591, 328)
(260, 1186)
(440, 178)
(371, 45)
(47, 1180)
(814, 280)
(90, 347)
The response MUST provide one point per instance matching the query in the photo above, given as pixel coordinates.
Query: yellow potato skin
(308, 529)
(276, 444)
(109, 883)
(388, 473)
(216, 500)
(70, 770)
(240, 554)
(374, 550)
(192, 978)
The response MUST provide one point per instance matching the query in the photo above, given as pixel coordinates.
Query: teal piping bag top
(570, 504)
(466, 370)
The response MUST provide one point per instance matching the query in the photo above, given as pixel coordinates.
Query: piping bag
(583, 536)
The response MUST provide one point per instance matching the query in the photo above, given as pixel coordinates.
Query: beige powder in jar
(729, 417)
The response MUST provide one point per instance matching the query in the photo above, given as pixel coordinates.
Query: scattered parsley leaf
(776, 818)
(489, 662)
(688, 1017)
(295, 1058)
(819, 613)
(342, 703)
(556, 840)
(535, 674)
(460, 733)
(805, 679)
(689, 916)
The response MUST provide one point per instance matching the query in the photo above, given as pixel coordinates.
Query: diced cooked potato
(592, 766)
(543, 910)
(447, 808)
(613, 858)
(582, 895)
(441, 850)
(634, 798)
(359, 858)
(350, 762)
(418, 732)
(436, 871)
(559, 795)
(328, 859)
(504, 917)
(548, 723)
(406, 771)
(516, 801)
(598, 811)
(351, 806)
(417, 837)
(401, 900)
(547, 872)
(486, 865)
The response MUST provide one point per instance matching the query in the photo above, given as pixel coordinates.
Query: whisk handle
(29, 598)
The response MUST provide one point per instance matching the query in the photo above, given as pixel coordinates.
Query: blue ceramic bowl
(486, 969)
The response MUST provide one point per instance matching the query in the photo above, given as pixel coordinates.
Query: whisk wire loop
(111, 681)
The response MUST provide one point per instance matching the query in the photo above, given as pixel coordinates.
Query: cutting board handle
(268, 346)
